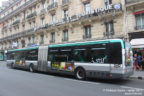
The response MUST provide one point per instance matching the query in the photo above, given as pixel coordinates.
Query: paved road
(23, 83)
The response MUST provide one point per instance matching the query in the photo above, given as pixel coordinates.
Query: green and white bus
(111, 59)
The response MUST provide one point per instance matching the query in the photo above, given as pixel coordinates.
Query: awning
(140, 12)
(137, 43)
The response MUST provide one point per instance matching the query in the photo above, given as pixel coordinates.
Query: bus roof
(23, 49)
(88, 43)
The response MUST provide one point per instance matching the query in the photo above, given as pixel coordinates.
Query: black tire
(12, 66)
(31, 68)
(80, 74)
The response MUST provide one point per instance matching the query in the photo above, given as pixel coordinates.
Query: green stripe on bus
(77, 44)
(24, 49)
(86, 43)
(118, 40)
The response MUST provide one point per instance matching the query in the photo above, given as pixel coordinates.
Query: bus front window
(114, 53)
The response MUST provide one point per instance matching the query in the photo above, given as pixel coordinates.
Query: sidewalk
(2, 63)
(138, 75)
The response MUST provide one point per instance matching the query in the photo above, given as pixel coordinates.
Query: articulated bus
(105, 59)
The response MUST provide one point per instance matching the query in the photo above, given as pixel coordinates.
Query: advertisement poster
(20, 62)
(64, 66)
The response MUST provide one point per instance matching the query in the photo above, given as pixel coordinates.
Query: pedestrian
(135, 59)
(142, 62)
(139, 58)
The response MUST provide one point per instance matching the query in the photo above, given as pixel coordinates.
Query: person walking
(139, 58)
(135, 58)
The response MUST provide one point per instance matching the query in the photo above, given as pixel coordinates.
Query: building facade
(135, 25)
(27, 23)
(135, 18)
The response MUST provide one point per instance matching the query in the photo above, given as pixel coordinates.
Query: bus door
(42, 58)
(61, 59)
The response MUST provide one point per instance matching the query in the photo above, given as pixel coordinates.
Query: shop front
(138, 45)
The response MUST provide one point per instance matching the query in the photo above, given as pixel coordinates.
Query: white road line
(132, 88)
(81, 81)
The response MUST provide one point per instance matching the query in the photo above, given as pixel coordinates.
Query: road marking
(132, 88)
(87, 82)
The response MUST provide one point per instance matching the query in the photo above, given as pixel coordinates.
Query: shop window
(109, 28)
(139, 21)
(87, 7)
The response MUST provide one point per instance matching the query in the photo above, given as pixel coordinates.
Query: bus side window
(98, 53)
(52, 53)
(78, 56)
(81, 54)
(66, 54)
(32, 55)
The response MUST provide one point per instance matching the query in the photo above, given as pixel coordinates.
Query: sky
(2, 1)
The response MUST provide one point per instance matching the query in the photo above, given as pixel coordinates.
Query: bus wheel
(12, 66)
(80, 74)
(31, 68)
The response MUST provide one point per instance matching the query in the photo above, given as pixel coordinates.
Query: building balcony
(108, 34)
(5, 27)
(65, 2)
(41, 43)
(42, 27)
(64, 39)
(86, 36)
(30, 31)
(134, 2)
(52, 41)
(23, 20)
(139, 27)
(19, 34)
(85, 1)
(32, 15)
(16, 22)
(43, 11)
(53, 6)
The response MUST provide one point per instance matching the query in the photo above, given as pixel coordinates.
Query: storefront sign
(32, 45)
(97, 11)
(14, 44)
